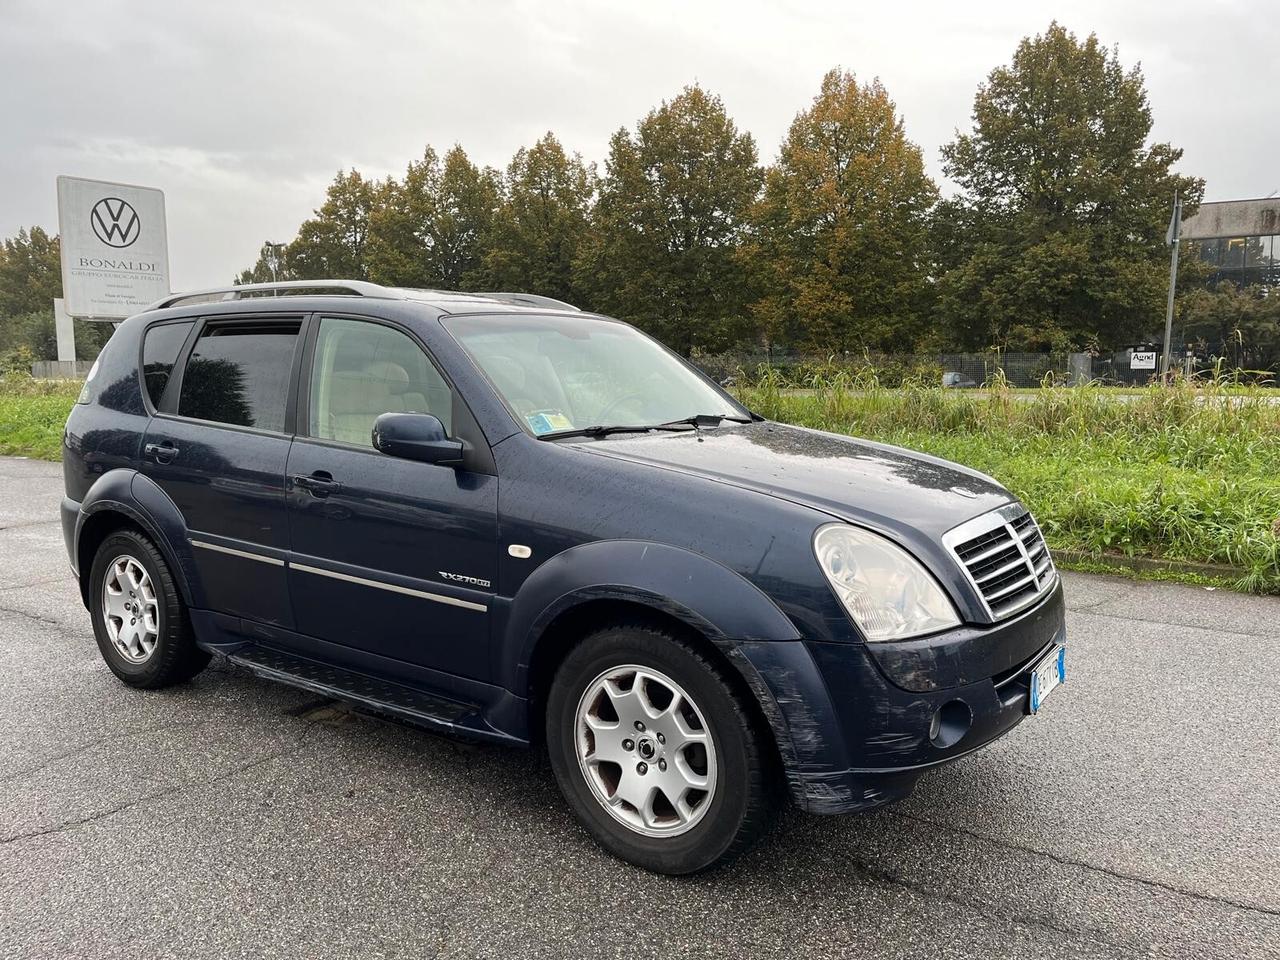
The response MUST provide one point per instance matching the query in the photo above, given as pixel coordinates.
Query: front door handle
(319, 484)
(161, 452)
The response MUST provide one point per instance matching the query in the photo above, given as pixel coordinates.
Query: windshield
(570, 373)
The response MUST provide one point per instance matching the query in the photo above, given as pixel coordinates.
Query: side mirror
(416, 436)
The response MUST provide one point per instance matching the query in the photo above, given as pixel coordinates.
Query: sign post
(1171, 238)
(115, 253)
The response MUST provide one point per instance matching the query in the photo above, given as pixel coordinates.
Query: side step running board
(380, 696)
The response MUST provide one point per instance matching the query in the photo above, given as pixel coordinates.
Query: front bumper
(853, 721)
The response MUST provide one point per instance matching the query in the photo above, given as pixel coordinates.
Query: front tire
(139, 619)
(656, 752)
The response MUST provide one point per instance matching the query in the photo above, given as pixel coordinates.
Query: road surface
(1139, 815)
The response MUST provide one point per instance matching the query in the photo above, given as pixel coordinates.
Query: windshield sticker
(547, 421)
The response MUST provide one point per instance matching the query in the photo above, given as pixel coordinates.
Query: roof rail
(350, 288)
(529, 300)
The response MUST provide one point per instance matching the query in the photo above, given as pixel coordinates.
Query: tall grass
(32, 415)
(1189, 472)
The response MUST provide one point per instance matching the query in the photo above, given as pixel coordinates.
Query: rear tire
(139, 620)
(656, 752)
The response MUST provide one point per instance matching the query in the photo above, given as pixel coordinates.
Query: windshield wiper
(707, 420)
(600, 430)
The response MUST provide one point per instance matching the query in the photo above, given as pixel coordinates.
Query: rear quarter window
(160, 351)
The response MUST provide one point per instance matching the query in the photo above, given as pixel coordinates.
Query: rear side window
(159, 354)
(239, 374)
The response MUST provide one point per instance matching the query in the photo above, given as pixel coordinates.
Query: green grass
(1182, 474)
(32, 414)
(1186, 474)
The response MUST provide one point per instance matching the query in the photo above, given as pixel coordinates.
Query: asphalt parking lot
(1139, 815)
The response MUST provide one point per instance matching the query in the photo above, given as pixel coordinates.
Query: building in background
(1238, 239)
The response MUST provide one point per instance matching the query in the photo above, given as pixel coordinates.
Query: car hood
(881, 486)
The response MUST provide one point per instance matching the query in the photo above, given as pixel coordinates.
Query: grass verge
(1181, 474)
(32, 414)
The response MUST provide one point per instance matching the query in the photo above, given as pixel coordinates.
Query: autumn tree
(1057, 235)
(433, 226)
(30, 280)
(839, 249)
(332, 244)
(542, 221)
(671, 213)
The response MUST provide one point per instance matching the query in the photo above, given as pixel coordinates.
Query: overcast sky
(243, 111)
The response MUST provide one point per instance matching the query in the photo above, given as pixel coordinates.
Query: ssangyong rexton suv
(499, 517)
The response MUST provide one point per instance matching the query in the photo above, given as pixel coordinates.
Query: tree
(1240, 326)
(30, 280)
(30, 273)
(1057, 235)
(841, 232)
(672, 210)
(542, 221)
(332, 244)
(431, 228)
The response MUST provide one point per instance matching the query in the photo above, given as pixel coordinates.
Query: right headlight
(889, 595)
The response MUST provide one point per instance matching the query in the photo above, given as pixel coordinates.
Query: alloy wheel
(645, 749)
(130, 609)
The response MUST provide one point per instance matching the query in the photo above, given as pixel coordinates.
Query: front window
(570, 373)
(363, 370)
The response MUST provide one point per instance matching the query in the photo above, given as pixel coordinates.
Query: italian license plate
(1047, 674)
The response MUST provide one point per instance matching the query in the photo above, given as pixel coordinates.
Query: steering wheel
(603, 416)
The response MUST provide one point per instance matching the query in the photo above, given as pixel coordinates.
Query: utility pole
(1171, 238)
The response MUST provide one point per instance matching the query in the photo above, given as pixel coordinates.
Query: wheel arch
(124, 499)
(607, 582)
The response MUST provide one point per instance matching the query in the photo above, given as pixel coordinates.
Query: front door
(218, 447)
(390, 557)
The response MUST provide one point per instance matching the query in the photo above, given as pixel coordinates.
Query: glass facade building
(1244, 261)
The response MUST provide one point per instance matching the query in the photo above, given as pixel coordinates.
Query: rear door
(218, 446)
(390, 557)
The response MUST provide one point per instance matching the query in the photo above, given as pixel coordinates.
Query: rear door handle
(319, 484)
(161, 452)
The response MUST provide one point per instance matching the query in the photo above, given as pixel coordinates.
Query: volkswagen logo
(115, 222)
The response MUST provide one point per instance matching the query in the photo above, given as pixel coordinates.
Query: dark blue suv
(499, 517)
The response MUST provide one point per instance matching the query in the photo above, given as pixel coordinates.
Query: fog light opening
(950, 723)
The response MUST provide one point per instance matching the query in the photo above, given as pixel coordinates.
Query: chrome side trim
(392, 587)
(261, 558)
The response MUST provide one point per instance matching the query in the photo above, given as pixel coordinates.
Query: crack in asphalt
(33, 616)
(1094, 868)
(37, 583)
(161, 794)
(27, 523)
(1215, 631)
(86, 747)
(1091, 934)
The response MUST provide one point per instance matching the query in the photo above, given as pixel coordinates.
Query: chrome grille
(1005, 556)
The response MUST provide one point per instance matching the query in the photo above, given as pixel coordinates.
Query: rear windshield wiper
(600, 430)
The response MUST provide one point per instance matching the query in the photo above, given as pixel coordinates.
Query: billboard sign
(115, 247)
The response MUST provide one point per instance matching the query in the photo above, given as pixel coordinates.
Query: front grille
(1005, 557)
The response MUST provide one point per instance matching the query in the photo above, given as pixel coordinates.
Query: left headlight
(888, 594)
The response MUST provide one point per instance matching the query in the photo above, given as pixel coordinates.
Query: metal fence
(958, 370)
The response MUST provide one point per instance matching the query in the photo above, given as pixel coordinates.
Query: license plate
(1047, 674)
